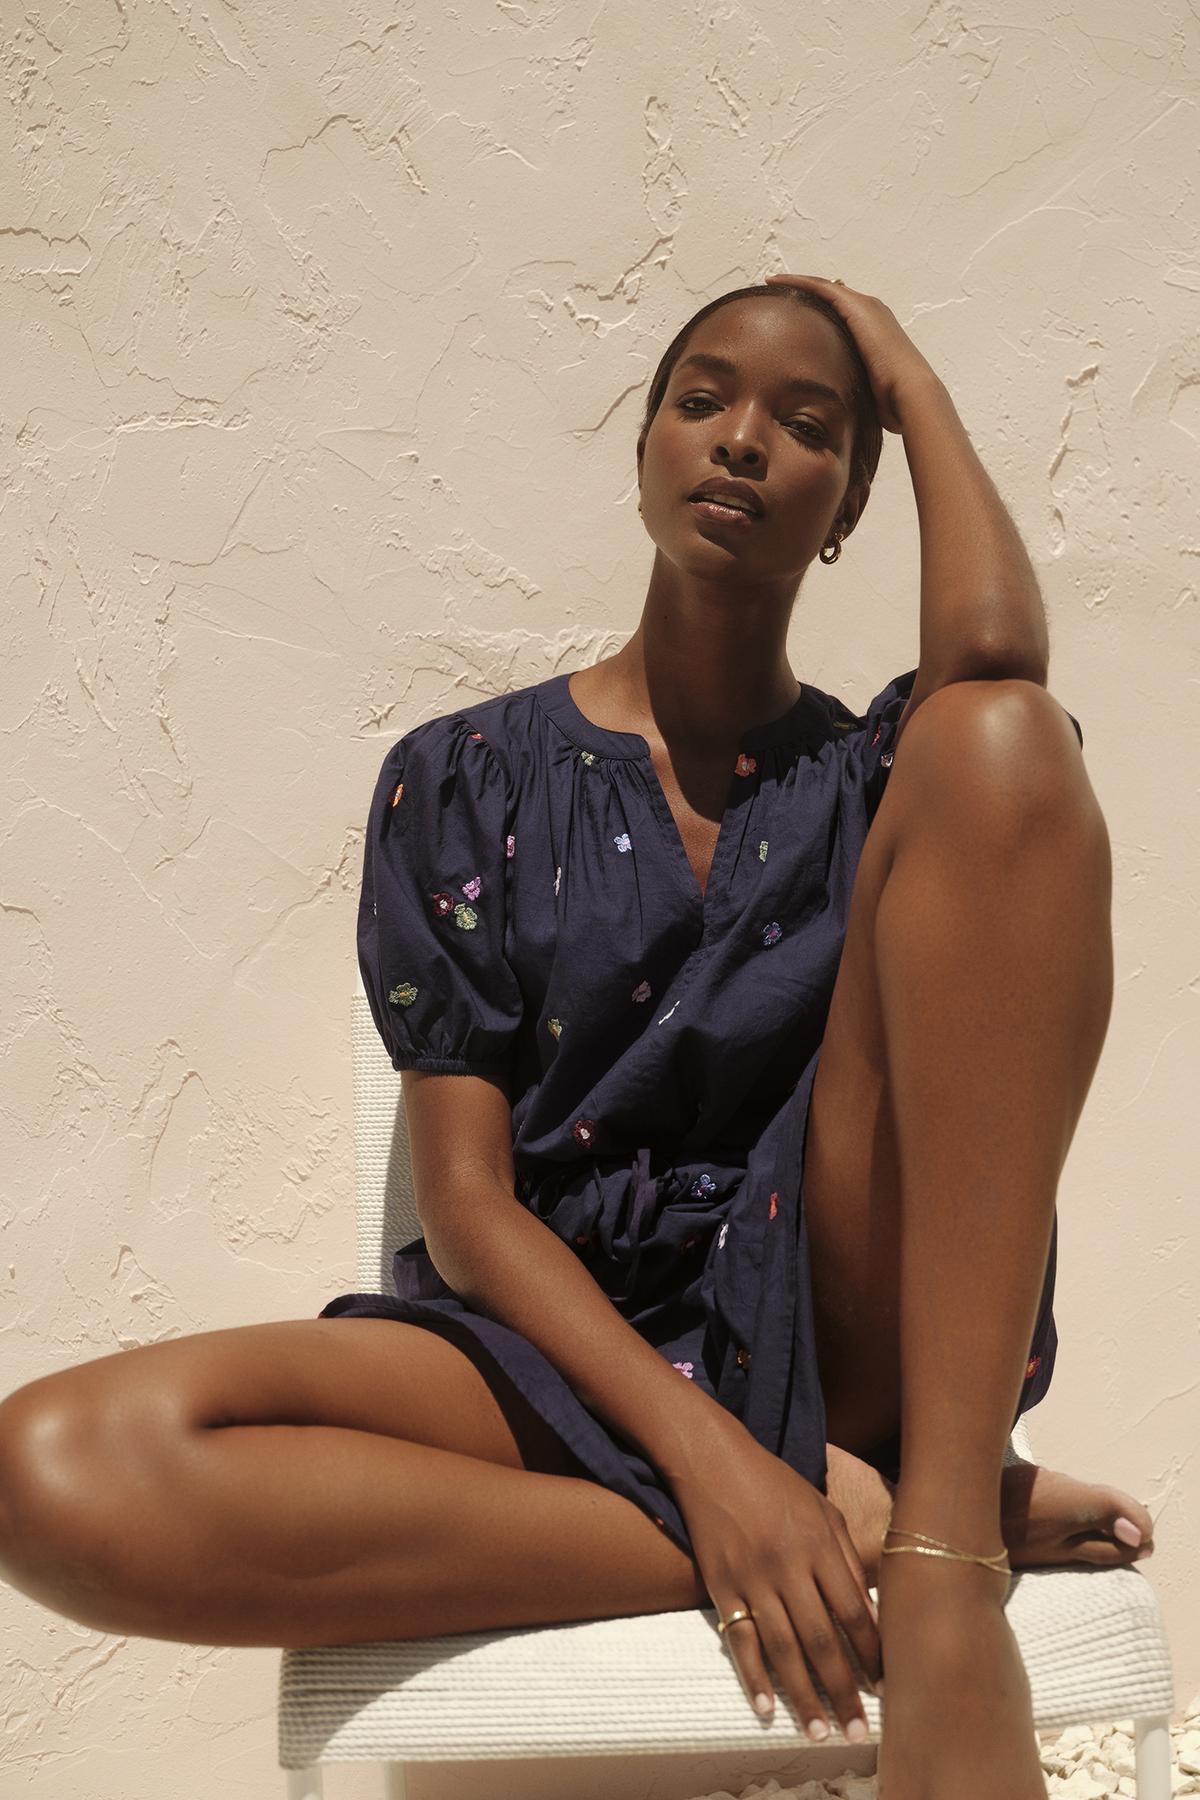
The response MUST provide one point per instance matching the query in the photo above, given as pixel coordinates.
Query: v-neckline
(667, 817)
(632, 746)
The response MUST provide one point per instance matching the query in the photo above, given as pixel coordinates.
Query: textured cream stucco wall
(326, 334)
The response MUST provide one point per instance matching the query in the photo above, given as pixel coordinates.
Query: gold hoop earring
(837, 551)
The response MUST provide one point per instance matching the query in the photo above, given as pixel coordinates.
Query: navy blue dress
(529, 914)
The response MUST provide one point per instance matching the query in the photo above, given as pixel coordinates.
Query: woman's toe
(1129, 1521)
(1103, 1552)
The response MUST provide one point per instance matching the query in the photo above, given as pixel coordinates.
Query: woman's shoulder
(507, 725)
(843, 718)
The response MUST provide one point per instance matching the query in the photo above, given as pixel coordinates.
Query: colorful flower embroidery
(443, 904)
(554, 1027)
(685, 1368)
(774, 1206)
(773, 933)
(878, 731)
(745, 765)
(705, 1185)
(586, 756)
(885, 760)
(471, 888)
(623, 842)
(465, 917)
(762, 851)
(398, 792)
(557, 878)
(1032, 1367)
(510, 845)
(404, 995)
(721, 1235)
(641, 991)
(477, 737)
(584, 1130)
(584, 1240)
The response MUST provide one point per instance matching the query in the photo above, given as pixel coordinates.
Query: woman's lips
(723, 515)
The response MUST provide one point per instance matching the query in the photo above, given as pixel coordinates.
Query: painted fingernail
(856, 1731)
(817, 1728)
(762, 1705)
(1128, 1532)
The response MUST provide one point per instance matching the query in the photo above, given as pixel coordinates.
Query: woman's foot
(1046, 1517)
(957, 1712)
(864, 1499)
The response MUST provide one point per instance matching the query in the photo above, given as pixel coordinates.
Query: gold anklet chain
(999, 1562)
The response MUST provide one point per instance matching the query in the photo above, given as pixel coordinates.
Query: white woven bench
(659, 1687)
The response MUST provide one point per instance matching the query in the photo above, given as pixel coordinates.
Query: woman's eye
(806, 426)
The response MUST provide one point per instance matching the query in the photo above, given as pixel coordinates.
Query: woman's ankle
(965, 1520)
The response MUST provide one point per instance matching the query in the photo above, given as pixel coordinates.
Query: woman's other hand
(893, 361)
(766, 1539)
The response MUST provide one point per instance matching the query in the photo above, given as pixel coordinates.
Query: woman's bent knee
(86, 1457)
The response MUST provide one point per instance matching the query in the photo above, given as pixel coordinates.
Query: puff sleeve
(432, 912)
(879, 723)
(869, 738)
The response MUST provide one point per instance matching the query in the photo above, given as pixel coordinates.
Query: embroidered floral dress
(529, 913)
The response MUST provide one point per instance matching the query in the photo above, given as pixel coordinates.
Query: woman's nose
(743, 448)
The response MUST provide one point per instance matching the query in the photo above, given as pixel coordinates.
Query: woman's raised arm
(981, 607)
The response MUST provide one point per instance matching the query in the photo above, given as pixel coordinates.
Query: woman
(685, 960)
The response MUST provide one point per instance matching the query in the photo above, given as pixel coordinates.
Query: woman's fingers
(797, 1638)
(803, 1629)
(856, 1611)
(742, 1643)
(771, 1635)
(895, 365)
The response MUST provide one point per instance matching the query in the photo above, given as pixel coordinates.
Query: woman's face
(759, 424)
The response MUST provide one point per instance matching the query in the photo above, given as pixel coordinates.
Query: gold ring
(742, 1612)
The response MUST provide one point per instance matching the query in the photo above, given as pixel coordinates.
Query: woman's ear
(853, 503)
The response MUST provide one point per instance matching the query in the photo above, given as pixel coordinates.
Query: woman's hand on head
(894, 364)
(766, 1539)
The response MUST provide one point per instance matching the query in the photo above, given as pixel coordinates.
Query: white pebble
(1082, 1763)
(1081, 1786)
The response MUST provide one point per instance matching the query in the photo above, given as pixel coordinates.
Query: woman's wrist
(921, 392)
(702, 1431)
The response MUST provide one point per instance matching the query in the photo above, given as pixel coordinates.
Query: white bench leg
(394, 1785)
(1152, 1756)
(304, 1784)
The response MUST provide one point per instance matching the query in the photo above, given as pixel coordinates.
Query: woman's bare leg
(122, 1508)
(994, 957)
